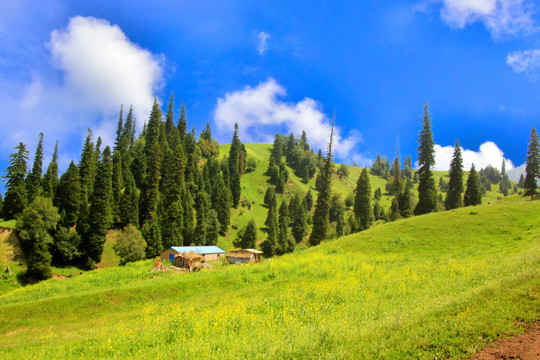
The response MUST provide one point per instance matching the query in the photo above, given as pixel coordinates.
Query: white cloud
(488, 154)
(262, 46)
(527, 62)
(101, 69)
(500, 17)
(260, 114)
(104, 68)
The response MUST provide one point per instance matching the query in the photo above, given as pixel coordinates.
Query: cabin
(244, 256)
(207, 253)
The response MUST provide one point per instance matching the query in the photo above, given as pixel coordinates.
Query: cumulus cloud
(263, 38)
(488, 154)
(101, 69)
(527, 62)
(500, 17)
(260, 114)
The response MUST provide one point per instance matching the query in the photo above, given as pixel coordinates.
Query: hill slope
(440, 285)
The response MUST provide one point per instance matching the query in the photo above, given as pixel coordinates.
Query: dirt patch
(525, 347)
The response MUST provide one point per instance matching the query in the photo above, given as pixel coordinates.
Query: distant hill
(515, 173)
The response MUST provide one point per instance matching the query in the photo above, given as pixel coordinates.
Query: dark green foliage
(504, 186)
(222, 204)
(16, 199)
(407, 168)
(378, 212)
(349, 200)
(202, 206)
(152, 235)
(299, 222)
(485, 183)
(100, 211)
(212, 228)
(521, 182)
(427, 193)
(320, 217)
(454, 197)
(172, 224)
(66, 245)
(277, 149)
(336, 215)
(50, 179)
(35, 225)
(405, 207)
(378, 194)
(284, 243)
(129, 245)
(362, 201)
(188, 229)
(234, 167)
(117, 186)
(139, 166)
(251, 165)
(182, 123)
(247, 236)
(309, 200)
(149, 199)
(129, 203)
(270, 245)
(270, 197)
(443, 185)
(87, 166)
(119, 128)
(473, 195)
(532, 169)
(381, 167)
(1, 204)
(492, 174)
(343, 171)
(33, 181)
(68, 195)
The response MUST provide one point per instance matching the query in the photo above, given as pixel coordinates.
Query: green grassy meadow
(441, 285)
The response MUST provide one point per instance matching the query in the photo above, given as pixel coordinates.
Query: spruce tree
(473, 195)
(87, 166)
(170, 128)
(234, 167)
(299, 222)
(454, 196)
(203, 207)
(427, 193)
(129, 203)
(100, 211)
(532, 169)
(283, 229)
(270, 245)
(182, 123)
(247, 236)
(117, 187)
(213, 228)
(188, 229)
(277, 149)
(152, 235)
(33, 181)
(119, 128)
(68, 195)
(362, 201)
(15, 200)
(50, 179)
(405, 203)
(309, 200)
(320, 217)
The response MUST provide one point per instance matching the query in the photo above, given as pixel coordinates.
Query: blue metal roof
(203, 250)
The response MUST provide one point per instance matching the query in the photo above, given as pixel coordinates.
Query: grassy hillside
(254, 186)
(435, 286)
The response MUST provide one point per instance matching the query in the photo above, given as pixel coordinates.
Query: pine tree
(405, 203)
(454, 196)
(320, 217)
(532, 169)
(129, 203)
(362, 201)
(170, 128)
(189, 219)
(182, 123)
(68, 196)
(427, 193)
(16, 199)
(152, 235)
(117, 186)
(277, 149)
(150, 196)
(33, 181)
(212, 229)
(87, 166)
(270, 245)
(271, 202)
(203, 207)
(119, 128)
(473, 195)
(234, 167)
(50, 179)
(100, 211)
(283, 229)
(247, 236)
(299, 222)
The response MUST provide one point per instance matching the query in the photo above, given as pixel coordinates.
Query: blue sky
(277, 66)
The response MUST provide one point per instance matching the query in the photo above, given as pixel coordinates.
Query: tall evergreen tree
(189, 219)
(87, 166)
(309, 200)
(405, 203)
(532, 169)
(119, 128)
(182, 123)
(212, 228)
(203, 208)
(129, 203)
(117, 187)
(50, 179)
(247, 236)
(362, 202)
(427, 192)
(33, 181)
(150, 196)
(222, 204)
(320, 217)
(504, 186)
(15, 200)
(277, 149)
(473, 195)
(299, 222)
(100, 211)
(234, 167)
(284, 245)
(454, 196)
(270, 245)
(170, 128)
(68, 195)
(152, 235)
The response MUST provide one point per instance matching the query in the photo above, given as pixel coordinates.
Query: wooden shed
(244, 256)
(208, 253)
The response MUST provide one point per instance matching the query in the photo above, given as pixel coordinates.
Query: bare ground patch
(525, 347)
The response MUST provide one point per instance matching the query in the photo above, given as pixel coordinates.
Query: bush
(130, 245)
